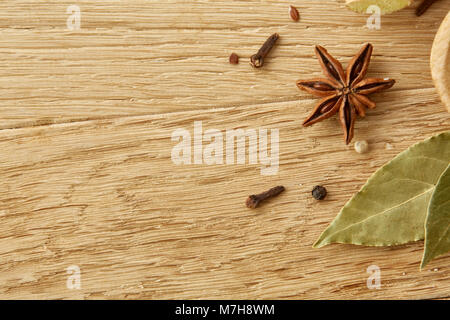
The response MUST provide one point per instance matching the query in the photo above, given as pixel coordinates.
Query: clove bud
(253, 201)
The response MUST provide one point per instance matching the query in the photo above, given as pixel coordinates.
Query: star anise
(345, 92)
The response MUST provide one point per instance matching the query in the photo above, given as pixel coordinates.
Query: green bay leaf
(391, 208)
(437, 226)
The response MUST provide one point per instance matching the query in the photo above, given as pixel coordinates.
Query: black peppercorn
(319, 193)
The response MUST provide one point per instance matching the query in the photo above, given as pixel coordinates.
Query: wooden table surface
(87, 177)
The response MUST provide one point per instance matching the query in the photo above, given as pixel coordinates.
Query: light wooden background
(86, 176)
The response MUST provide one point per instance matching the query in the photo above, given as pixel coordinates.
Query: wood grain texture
(86, 169)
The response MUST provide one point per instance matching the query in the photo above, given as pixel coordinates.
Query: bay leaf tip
(319, 243)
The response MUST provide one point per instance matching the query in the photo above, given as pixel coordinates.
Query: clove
(257, 60)
(253, 201)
